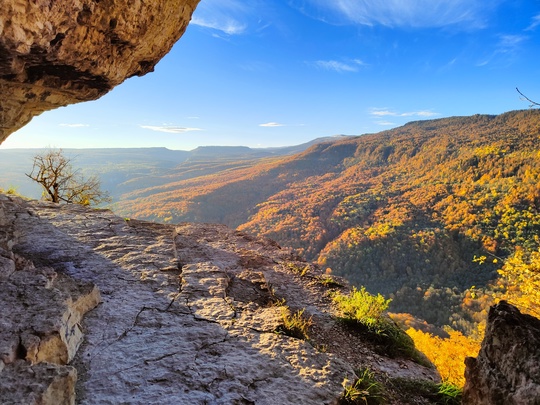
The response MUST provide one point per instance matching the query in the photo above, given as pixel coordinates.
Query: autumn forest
(426, 213)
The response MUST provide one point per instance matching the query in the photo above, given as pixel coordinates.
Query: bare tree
(53, 171)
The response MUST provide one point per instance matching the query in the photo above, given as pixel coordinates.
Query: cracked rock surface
(40, 315)
(189, 313)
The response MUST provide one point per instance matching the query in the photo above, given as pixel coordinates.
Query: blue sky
(283, 72)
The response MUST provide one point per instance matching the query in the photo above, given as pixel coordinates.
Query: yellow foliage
(522, 271)
(448, 355)
(488, 150)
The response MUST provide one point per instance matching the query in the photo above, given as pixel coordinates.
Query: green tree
(62, 184)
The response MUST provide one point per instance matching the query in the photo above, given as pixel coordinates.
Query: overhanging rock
(55, 53)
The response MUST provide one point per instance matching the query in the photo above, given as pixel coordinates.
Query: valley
(425, 214)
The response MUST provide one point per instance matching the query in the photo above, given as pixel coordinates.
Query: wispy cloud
(506, 50)
(272, 124)
(386, 123)
(400, 13)
(230, 17)
(509, 42)
(228, 26)
(384, 112)
(74, 125)
(340, 67)
(169, 129)
(534, 23)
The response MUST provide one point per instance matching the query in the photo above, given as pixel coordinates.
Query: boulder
(55, 53)
(507, 369)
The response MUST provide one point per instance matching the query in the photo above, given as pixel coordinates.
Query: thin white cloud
(511, 41)
(230, 17)
(169, 129)
(469, 14)
(384, 112)
(340, 67)
(505, 52)
(386, 123)
(272, 124)
(227, 26)
(74, 125)
(534, 23)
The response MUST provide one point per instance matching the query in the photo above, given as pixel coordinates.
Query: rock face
(55, 53)
(189, 314)
(41, 312)
(507, 369)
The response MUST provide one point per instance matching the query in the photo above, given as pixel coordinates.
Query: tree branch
(533, 103)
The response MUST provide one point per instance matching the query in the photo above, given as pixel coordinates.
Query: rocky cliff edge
(507, 369)
(102, 309)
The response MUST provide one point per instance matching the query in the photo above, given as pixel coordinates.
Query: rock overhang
(55, 53)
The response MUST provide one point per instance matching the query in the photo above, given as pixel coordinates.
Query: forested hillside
(425, 213)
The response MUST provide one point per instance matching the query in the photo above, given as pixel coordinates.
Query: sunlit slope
(403, 212)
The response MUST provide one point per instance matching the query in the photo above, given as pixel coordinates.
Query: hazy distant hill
(403, 212)
(125, 169)
(114, 166)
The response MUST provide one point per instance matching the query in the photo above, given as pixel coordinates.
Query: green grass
(367, 312)
(364, 390)
(301, 270)
(328, 281)
(449, 394)
(440, 394)
(294, 324)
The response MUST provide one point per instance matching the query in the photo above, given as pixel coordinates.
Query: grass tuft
(439, 394)
(364, 390)
(328, 281)
(294, 324)
(301, 270)
(368, 312)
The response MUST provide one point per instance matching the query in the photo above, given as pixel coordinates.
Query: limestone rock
(40, 384)
(507, 369)
(55, 53)
(41, 312)
(191, 313)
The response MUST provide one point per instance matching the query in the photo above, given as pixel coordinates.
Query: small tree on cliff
(53, 171)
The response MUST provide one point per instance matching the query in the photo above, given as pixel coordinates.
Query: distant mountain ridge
(136, 167)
